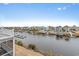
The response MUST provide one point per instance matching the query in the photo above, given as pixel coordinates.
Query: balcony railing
(5, 36)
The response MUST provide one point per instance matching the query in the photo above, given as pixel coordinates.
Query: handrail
(6, 39)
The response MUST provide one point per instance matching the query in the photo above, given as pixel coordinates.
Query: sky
(39, 14)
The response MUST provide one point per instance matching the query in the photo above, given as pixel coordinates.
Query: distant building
(59, 30)
(73, 28)
(66, 29)
(51, 28)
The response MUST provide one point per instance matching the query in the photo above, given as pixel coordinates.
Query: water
(51, 43)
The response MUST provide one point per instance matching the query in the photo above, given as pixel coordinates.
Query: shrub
(32, 46)
(19, 43)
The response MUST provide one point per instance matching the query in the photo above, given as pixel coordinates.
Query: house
(66, 29)
(73, 28)
(59, 30)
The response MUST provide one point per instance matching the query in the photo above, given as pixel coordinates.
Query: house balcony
(6, 42)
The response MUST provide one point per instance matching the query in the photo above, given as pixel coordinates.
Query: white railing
(7, 31)
(6, 36)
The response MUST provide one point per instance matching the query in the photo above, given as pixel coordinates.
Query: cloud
(63, 8)
(66, 7)
(59, 9)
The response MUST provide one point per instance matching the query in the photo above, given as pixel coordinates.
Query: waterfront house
(66, 29)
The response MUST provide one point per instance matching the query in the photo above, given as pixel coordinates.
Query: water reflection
(64, 45)
(67, 38)
(62, 38)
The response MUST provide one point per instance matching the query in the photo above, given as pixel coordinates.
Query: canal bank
(21, 51)
(57, 46)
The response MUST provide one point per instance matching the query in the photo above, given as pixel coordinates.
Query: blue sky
(42, 14)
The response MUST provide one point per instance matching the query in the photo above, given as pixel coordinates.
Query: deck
(6, 41)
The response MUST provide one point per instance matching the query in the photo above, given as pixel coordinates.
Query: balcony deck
(6, 34)
(4, 37)
(6, 41)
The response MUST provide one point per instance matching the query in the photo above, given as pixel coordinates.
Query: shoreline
(21, 51)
